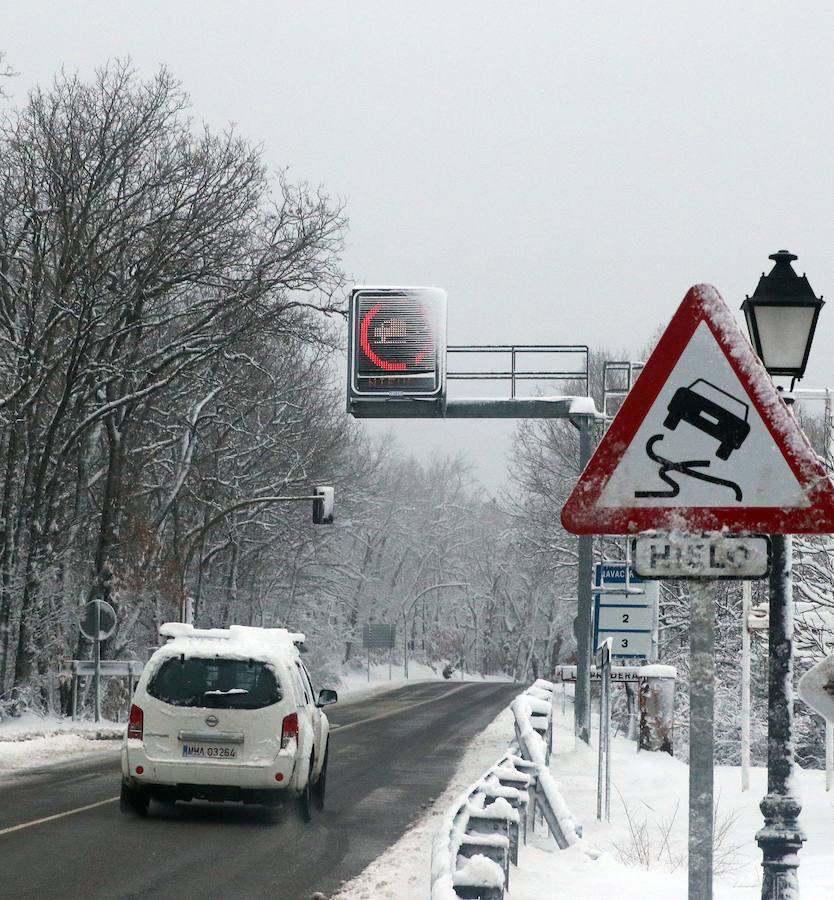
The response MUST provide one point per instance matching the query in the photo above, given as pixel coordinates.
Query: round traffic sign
(396, 335)
(106, 620)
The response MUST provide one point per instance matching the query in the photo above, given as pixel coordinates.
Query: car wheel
(133, 801)
(671, 421)
(305, 801)
(321, 784)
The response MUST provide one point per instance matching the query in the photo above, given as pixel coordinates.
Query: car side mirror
(326, 697)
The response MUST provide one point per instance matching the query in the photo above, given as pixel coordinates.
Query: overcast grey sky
(564, 171)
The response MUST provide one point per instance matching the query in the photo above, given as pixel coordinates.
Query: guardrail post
(490, 847)
(479, 892)
(481, 832)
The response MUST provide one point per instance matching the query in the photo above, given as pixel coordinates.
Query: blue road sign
(624, 616)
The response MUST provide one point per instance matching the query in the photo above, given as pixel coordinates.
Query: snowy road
(391, 754)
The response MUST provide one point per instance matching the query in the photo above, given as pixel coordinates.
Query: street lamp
(412, 606)
(781, 317)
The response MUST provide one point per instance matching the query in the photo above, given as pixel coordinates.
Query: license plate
(207, 751)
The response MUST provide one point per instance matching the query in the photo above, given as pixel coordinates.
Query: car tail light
(136, 725)
(289, 729)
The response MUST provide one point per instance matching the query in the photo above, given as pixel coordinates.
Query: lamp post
(781, 318)
(407, 611)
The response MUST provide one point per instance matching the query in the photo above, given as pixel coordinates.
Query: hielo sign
(708, 556)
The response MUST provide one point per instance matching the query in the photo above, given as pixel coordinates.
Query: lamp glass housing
(784, 335)
(782, 316)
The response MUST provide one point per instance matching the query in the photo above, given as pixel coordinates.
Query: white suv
(226, 714)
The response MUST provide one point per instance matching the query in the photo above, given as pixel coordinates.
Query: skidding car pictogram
(704, 406)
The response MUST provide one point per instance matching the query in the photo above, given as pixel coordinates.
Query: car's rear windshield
(215, 683)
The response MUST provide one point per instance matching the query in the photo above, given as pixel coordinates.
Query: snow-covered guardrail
(480, 834)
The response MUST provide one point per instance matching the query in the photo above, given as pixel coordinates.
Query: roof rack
(185, 630)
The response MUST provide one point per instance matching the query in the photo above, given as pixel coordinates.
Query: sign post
(701, 727)
(703, 454)
(97, 658)
(603, 661)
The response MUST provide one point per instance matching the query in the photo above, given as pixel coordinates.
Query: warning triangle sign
(703, 442)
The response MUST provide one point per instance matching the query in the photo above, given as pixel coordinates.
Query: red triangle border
(581, 513)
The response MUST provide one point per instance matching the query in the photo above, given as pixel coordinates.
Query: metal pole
(97, 650)
(781, 838)
(584, 594)
(369, 665)
(405, 645)
(600, 753)
(701, 723)
(829, 755)
(606, 689)
(746, 603)
(74, 691)
(631, 690)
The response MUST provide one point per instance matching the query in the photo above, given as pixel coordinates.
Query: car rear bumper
(273, 776)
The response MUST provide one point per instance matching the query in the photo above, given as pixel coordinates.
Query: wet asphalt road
(390, 755)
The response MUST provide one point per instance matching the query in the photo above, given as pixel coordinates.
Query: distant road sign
(703, 442)
(816, 688)
(109, 667)
(378, 637)
(107, 620)
(708, 556)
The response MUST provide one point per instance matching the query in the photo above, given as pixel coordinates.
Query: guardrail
(481, 831)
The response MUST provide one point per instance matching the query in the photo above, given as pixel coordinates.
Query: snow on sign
(703, 442)
(816, 688)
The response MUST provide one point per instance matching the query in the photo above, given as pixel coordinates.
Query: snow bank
(18, 756)
(31, 741)
(650, 796)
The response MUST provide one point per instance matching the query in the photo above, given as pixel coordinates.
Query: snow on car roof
(235, 642)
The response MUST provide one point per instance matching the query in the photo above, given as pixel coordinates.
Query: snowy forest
(172, 331)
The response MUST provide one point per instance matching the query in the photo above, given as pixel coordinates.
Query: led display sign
(397, 342)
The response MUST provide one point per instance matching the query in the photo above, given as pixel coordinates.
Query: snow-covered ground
(644, 847)
(402, 872)
(31, 741)
(650, 800)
